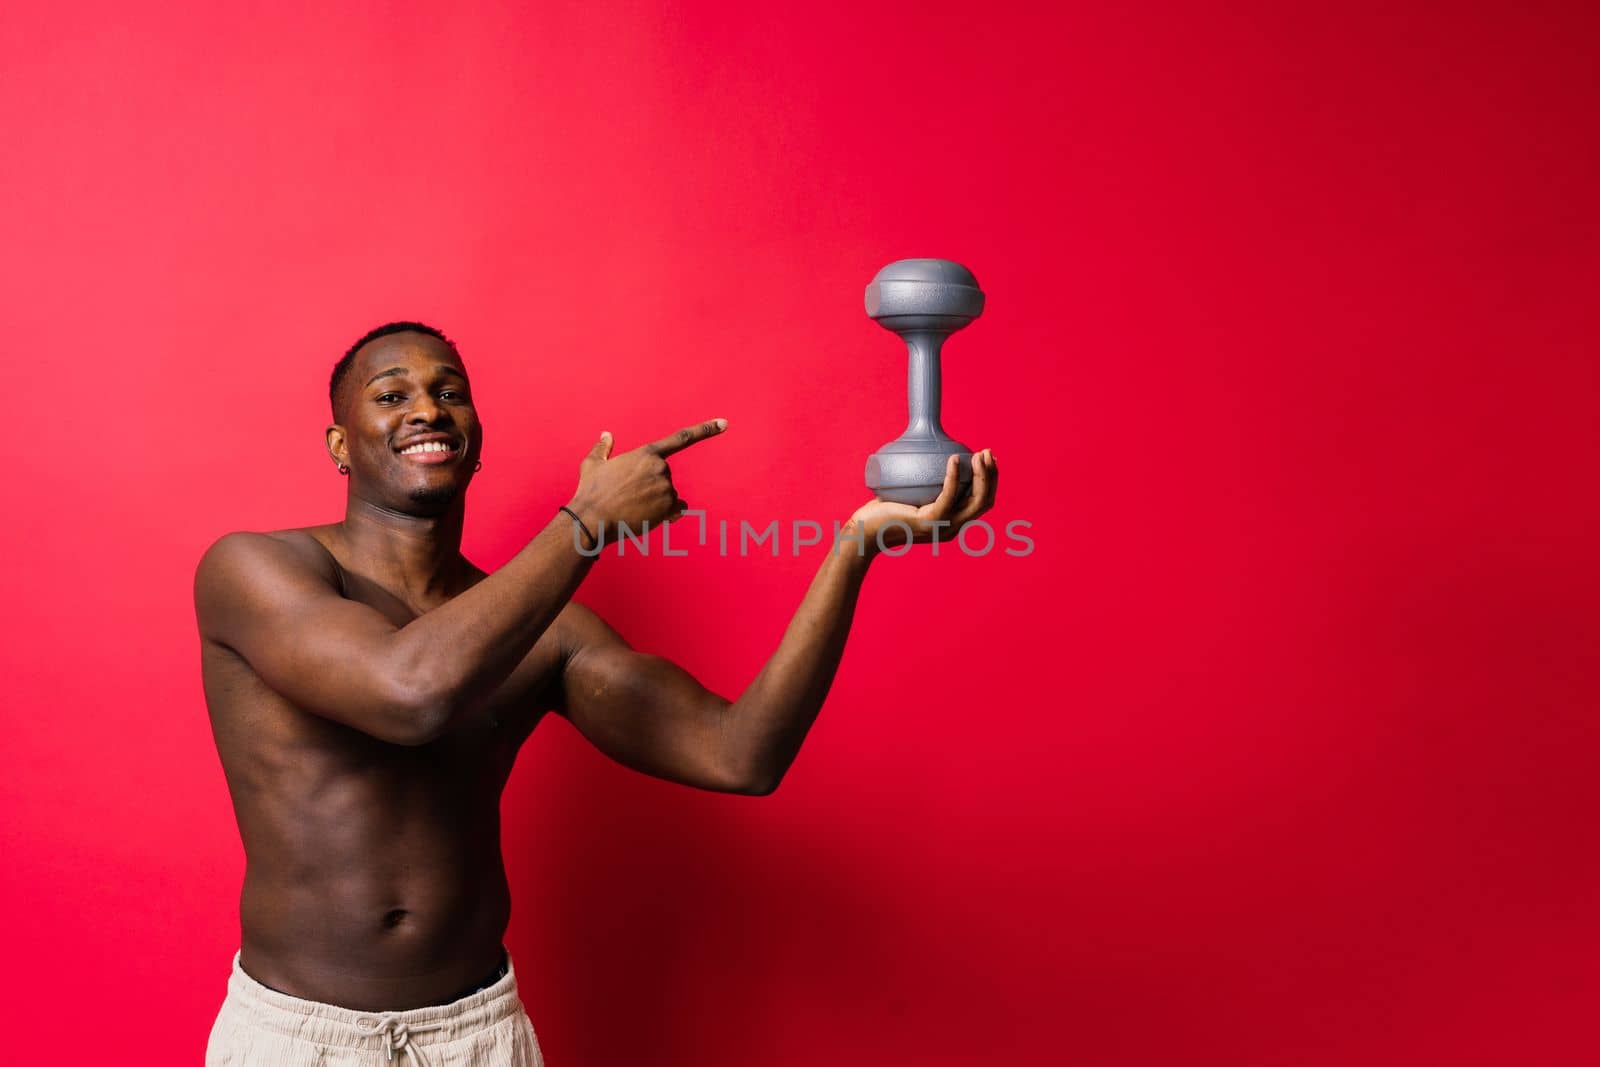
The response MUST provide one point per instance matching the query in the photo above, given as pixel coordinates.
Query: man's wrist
(855, 543)
(588, 529)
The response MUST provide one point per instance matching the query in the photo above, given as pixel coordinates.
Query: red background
(1279, 749)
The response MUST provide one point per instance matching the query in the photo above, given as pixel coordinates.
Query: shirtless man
(369, 689)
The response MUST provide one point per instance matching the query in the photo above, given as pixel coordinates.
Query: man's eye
(388, 396)
(452, 392)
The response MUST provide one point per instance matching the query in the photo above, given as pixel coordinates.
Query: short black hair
(341, 369)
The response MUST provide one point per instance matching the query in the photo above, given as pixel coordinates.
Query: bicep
(323, 653)
(642, 710)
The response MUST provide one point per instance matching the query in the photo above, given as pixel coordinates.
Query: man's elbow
(423, 701)
(417, 717)
(417, 731)
(408, 729)
(756, 782)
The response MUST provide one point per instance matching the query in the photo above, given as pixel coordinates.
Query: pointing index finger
(687, 436)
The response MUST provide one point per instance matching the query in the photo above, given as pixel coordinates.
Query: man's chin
(433, 499)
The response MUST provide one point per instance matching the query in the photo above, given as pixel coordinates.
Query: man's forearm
(769, 721)
(458, 653)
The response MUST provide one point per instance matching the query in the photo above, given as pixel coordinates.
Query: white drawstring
(396, 1034)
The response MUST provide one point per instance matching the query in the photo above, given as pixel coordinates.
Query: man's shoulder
(250, 556)
(308, 540)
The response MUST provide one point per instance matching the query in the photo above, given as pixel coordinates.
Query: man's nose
(425, 409)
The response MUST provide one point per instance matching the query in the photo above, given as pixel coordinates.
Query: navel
(394, 917)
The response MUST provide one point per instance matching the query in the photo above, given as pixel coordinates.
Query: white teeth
(428, 446)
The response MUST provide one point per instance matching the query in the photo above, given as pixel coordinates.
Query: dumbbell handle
(923, 381)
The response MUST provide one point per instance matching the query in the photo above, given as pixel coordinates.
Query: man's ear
(338, 445)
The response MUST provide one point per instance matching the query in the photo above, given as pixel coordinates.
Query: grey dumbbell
(924, 301)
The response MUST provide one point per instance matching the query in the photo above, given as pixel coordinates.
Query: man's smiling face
(407, 428)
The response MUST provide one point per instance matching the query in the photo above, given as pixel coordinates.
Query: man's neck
(418, 558)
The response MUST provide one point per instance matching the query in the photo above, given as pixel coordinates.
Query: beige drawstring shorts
(261, 1027)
